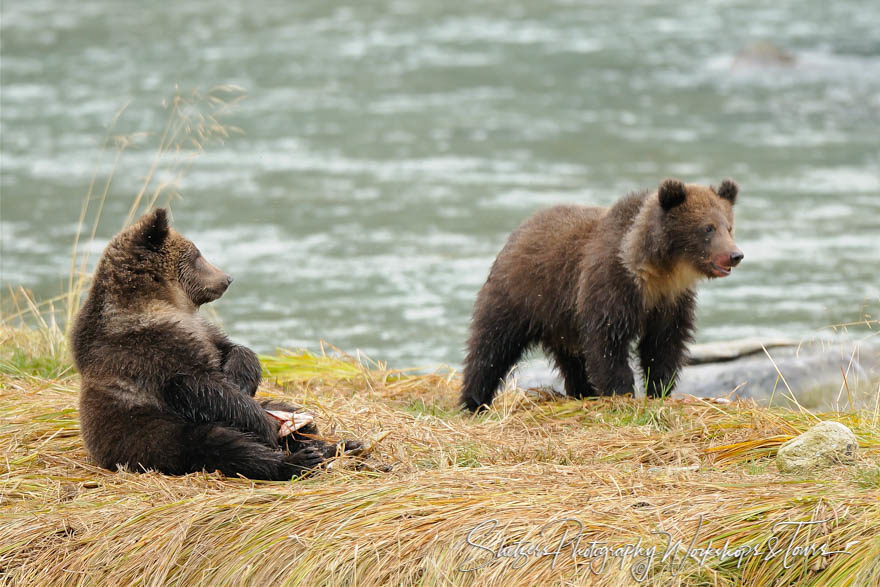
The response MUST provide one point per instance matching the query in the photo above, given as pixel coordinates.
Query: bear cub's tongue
(720, 271)
(722, 265)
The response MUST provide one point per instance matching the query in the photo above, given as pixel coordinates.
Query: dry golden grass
(624, 468)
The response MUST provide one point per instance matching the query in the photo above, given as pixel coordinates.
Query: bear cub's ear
(153, 229)
(728, 190)
(671, 193)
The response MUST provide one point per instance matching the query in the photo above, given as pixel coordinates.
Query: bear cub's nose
(736, 257)
(229, 279)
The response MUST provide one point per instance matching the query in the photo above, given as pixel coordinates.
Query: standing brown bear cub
(164, 389)
(585, 282)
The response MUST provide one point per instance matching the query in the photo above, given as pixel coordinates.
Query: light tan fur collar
(656, 283)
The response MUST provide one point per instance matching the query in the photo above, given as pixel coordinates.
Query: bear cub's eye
(710, 228)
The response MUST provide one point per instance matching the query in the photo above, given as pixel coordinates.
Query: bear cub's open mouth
(720, 270)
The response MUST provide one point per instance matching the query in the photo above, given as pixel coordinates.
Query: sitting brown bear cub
(585, 282)
(164, 389)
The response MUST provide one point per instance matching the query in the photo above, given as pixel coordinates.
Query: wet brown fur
(162, 388)
(584, 282)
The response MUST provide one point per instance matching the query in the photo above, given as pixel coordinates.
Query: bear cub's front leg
(242, 368)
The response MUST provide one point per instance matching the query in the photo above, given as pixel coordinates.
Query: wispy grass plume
(194, 121)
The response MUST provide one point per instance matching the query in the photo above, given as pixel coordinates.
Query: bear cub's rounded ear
(671, 193)
(728, 190)
(153, 229)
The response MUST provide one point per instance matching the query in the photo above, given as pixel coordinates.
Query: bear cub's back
(547, 242)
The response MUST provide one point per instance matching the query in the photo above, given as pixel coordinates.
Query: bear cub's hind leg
(573, 369)
(234, 453)
(497, 341)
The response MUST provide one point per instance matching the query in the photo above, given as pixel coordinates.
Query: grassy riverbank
(623, 468)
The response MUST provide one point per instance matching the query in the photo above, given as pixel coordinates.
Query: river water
(389, 147)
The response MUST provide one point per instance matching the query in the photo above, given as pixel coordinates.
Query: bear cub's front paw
(305, 460)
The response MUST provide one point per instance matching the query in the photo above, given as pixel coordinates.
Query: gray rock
(826, 443)
(763, 54)
(743, 370)
(813, 371)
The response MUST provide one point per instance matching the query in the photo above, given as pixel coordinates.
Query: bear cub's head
(698, 225)
(150, 260)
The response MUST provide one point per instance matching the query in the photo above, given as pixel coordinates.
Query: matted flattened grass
(618, 469)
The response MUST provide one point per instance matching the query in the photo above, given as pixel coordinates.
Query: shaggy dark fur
(585, 282)
(164, 389)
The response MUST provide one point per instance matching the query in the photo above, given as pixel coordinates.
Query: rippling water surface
(389, 147)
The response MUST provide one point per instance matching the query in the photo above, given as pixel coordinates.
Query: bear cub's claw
(350, 448)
